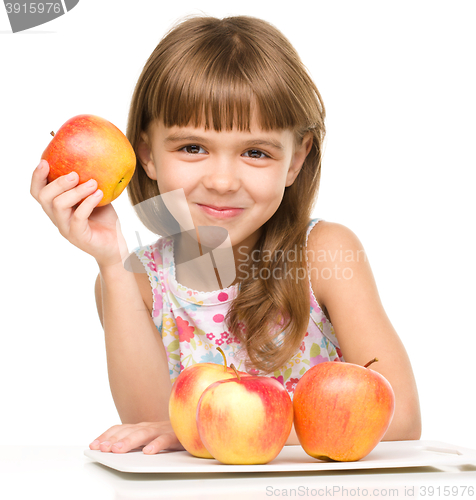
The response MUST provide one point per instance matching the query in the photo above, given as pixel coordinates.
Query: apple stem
(370, 362)
(224, 357)
(52, 133)
(234, 369)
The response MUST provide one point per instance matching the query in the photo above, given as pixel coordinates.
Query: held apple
(245, 420)
(342, 410)
(95, 149)
(184, 398)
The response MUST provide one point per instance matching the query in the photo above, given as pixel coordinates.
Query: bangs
(222, 82)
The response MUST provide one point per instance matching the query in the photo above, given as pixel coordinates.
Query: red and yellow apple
(184, 398)
(342, 410)
(94, 148)
(245, 420)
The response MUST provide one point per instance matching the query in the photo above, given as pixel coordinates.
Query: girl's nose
(222, 176)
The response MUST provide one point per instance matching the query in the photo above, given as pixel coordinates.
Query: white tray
(387, 454)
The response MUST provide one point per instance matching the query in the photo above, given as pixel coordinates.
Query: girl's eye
(256, 153)
(193, 149)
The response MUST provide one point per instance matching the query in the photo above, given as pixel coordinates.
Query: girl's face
(233, 179)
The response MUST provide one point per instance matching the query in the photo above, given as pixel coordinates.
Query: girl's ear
(146, 159)
(300, 153)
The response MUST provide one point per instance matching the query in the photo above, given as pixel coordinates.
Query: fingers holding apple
(86, 165)
(74, 209)
(63, 195)
(59, 197)
(39, 179)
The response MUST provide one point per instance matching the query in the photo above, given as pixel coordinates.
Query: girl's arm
(361, 325)
(136, 358)
(137, 363)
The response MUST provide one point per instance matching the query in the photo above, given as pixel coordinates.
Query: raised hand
(73, 210)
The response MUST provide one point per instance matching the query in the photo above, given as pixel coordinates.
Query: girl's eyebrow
(178, 137)
(182, 137)
(265, 142)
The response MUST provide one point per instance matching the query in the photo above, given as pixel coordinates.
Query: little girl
(225, 114)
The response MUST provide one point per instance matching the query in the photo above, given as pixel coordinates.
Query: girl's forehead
(161, 133)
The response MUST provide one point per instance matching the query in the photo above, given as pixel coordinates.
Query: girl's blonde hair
(216, 73)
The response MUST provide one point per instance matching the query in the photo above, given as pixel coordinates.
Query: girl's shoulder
(334, 253)
(324, 237)
(312, 224)
(328, 236)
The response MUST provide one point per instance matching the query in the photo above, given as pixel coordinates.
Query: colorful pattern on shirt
(191, 322)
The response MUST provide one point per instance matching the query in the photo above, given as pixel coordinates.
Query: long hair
(217, 72)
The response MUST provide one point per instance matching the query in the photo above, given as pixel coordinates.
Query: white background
(398, 81)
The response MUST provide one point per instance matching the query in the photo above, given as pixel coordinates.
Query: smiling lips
(221, 212)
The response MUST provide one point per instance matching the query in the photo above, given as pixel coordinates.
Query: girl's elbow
(413, 432)
(405, 426)
(403, 432)
(416, 429)
(412, 421)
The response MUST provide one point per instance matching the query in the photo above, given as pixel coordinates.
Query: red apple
(184, 398)
(342, 410)
(95, 149)
(245, 420)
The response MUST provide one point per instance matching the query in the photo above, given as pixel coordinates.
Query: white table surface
(64, 472)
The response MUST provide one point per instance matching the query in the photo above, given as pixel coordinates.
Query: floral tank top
(191, 323)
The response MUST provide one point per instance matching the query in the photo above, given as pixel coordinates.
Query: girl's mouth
(221, 212)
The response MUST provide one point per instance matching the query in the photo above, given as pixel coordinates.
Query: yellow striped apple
(94, 148)
(186, 392)
(245, 420)
(342, 410)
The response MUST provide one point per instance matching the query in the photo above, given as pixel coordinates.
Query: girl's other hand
(93, 229)
(153, 436)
